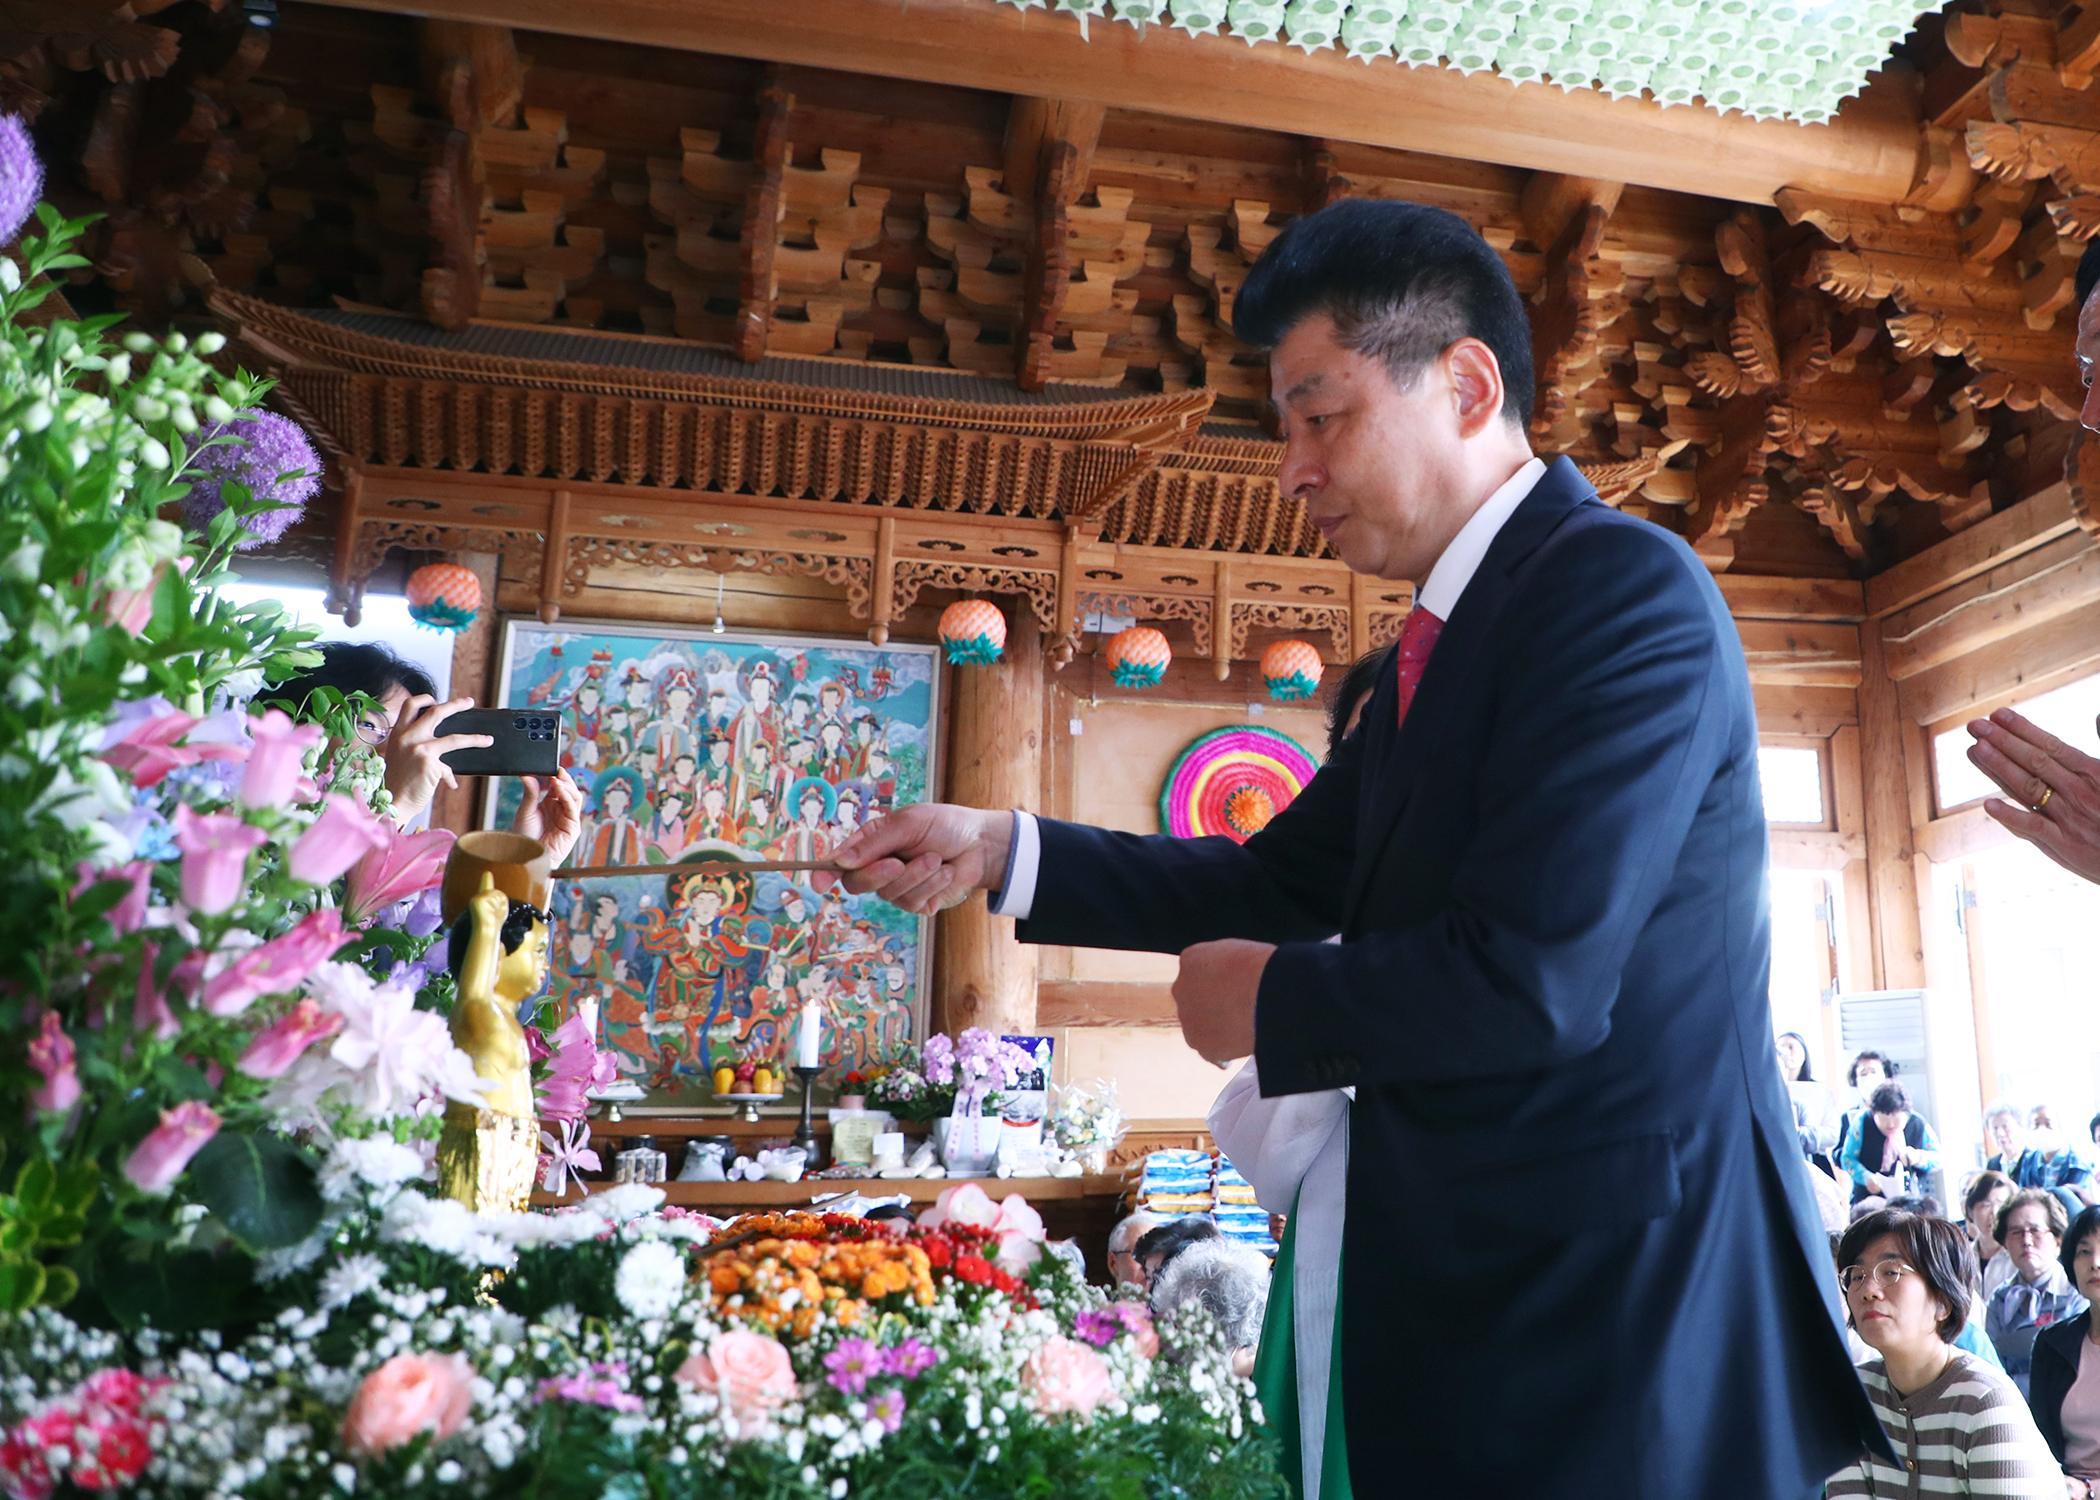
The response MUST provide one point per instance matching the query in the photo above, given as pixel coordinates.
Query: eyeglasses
(1886, 1276)
(373, 731)
(2030, 1232)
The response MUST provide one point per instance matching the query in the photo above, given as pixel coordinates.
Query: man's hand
(2057, 789)
(553, 816)
(414, 750)
(929, 856)
(1214, 996)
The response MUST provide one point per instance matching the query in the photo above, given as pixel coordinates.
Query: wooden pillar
(982, 976)
(473, 656)
(1898, 942)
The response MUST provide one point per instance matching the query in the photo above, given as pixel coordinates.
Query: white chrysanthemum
(275, 1265)
(351, 1278)
(376, 1161)
(651, 1279)
(629, 1200)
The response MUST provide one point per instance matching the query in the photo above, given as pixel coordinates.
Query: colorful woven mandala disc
(1232, 781)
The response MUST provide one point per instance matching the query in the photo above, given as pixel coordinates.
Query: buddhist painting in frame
(773, 746)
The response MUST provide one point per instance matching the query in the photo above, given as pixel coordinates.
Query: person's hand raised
(414, 750)
(553, 816)
(2057, 789)
(929, 856)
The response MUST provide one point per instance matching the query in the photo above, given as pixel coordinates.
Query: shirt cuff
(1024, 856)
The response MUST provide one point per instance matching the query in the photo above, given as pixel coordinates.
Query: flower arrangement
(958, 1076)
(1087, 1122)
(777, 1355)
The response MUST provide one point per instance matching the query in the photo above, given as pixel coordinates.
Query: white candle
(810, 1042)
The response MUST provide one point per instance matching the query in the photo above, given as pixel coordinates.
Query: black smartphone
(528, 741)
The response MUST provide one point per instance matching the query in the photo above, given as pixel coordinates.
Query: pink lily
(215, 849)
(151, 751)
(410, 864)
(570, 1152)
(280, 1044)
(276, 761)
(578, 1068)
(159, 1159)
(149, 1007)
(51, 1054)
(338, 839)
(276, 967)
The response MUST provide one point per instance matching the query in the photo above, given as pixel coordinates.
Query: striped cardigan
(1967, 1433)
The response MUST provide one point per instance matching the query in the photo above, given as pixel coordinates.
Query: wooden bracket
(761, 237)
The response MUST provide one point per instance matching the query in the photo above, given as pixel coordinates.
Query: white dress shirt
(1447, 580)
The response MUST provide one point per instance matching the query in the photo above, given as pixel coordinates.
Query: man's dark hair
(2083, 1228)
(1888, 1066)
(1170, 1239)
(883, 1211)
(1980, 1190)
(1355, 686)
(515, 927)
(349, 667)
(1403, 283)
(2088, 271)
(1939, 1250)
(1890, 1099)
(1917, 1203)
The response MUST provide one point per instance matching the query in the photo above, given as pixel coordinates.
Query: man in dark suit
(1580, 1261)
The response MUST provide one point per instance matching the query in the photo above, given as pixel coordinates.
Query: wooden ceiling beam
(1035, 128)
(1870, 153)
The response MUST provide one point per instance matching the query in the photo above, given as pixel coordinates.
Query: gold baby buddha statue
(488, 1157)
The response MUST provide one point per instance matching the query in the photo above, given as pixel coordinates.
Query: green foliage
(46, 1211)
(260, 1185)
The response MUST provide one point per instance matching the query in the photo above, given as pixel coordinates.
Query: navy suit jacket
(1581, 1258)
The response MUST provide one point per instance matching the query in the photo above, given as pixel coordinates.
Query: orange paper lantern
(1292, 670)
(444, 596)
(1138, 657)
(973, 631)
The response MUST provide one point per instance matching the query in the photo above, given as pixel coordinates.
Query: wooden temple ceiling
(1860, 343)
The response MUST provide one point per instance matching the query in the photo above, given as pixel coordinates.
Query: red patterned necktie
(1417, 640)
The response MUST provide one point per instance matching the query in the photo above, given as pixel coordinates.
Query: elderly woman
(1958, 1426)
(2064, 1386)
(1123, 1267)
(2031, 1227)
(1229, 1281)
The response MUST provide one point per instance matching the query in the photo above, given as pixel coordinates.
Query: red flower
(974, 1269)
(938, 1254)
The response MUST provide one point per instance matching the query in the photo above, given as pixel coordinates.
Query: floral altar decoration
(225, 1268)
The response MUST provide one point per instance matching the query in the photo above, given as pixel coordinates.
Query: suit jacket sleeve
(1613, 719)
(1097, 888)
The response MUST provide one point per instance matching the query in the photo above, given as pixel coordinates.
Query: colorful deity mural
(774, 748)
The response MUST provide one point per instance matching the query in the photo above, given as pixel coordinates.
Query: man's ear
(1476, 385)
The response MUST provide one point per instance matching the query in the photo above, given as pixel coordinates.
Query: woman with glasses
(2031, 1228)
(2064, 1386)
(401, 731)
(1958, 1425)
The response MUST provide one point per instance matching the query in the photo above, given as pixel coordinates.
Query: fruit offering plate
(747, 1104)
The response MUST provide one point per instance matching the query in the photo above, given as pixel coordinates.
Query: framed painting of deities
(770, 747)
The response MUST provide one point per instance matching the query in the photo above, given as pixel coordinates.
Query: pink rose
(51, 1054)
(158, 1160)
(276, 761)
(965, 1203)
(749, 1371)
(278, 966)
(408, 865)
(1065, 1376)
(280, 1044)
(338, 839)
(215, 849)
(410, 1393)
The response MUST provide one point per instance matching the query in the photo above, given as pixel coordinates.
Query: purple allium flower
(851, 1363)
(21, 177)
(910, 1359)
(888, 1409)
(271, 457)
